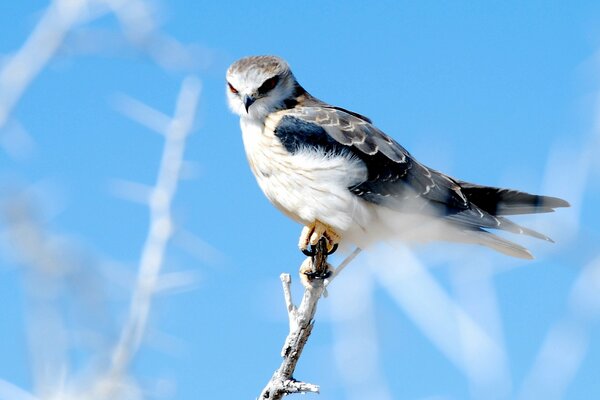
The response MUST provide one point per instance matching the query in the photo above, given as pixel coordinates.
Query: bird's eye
(268, 85)
(232, 89)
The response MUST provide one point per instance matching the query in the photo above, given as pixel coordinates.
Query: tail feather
(498, 201)
(516, 228)
(477, 218)
(488, 207)
(497, 243)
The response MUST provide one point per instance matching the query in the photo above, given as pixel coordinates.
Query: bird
(333, 171)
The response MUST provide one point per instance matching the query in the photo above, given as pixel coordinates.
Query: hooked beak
(248, 101)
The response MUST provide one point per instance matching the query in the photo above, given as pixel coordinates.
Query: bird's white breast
(308, 185)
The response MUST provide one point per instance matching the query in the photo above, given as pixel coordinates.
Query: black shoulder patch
(296, 134)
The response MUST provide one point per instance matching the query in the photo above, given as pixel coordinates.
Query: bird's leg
(315, 269)
(312, 233)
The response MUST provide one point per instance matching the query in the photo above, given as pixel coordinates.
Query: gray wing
(393, 174)
(395, 179)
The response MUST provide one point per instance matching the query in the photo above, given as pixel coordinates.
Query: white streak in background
(8, 391)
(568, 182)
(569, 179)
(557, 363)
(46, 262)
(142, 113)
(54, 202)
(140, 28)
(52, 274)
(20, 70)
(584, 300)
(356, 349)
(61, 18)
(176, 282)
(161, 228)
(460, 338)
(197, 247)
(55, 271)
(566, 343)
(136, 18)
(172, 54)
(132, 191)
(473, 283)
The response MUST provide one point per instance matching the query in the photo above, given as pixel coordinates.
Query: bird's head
(259, 85)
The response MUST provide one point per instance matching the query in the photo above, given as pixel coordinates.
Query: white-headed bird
(333, 171)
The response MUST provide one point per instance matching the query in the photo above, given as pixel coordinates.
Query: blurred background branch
(59, 276)
(161, 226)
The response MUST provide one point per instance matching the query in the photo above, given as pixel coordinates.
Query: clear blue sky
(499, 93)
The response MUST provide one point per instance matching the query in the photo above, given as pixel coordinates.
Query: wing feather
(395, 179)
(393, 174)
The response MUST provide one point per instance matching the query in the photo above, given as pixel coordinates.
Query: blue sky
(498, 93)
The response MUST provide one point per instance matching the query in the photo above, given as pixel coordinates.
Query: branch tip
(285, 278)
(315, 273)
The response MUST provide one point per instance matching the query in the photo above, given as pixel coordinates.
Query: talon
(313, 275)
(333, 249)
(313, 250)
(309, 253)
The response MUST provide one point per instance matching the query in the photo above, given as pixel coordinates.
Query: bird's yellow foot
(312, 233)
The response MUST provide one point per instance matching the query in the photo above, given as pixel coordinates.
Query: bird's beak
(248, 101)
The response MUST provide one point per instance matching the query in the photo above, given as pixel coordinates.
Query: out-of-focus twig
(568, 340)
(60, 19)
(141, 30)
(356, 348)
(52, 271)
(436, 313)
(161, 227)
(47, 263)
(343, 265)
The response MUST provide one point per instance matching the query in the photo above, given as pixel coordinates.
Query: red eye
(232, 89)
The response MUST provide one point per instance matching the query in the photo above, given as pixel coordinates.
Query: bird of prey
(333, 171)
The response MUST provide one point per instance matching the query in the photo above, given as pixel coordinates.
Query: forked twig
(316, 274)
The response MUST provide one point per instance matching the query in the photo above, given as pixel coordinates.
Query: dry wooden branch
(314, 273)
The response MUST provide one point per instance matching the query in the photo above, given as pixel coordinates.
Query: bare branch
(314, 271)
(286, 281)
